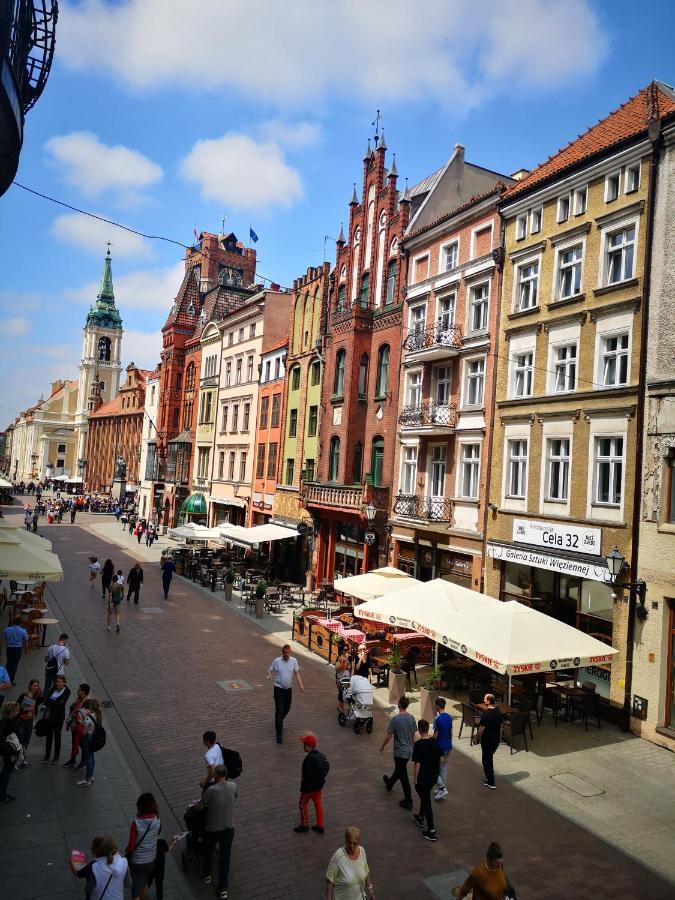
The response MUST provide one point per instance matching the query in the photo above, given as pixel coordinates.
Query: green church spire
(104, 312)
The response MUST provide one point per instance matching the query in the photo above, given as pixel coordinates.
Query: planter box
(228, 591)
(397, 682)
(259, 607)
(428, 704)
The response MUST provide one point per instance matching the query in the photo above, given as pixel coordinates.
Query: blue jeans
(89, 757)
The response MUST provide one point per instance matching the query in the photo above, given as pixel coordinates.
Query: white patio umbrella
(23, 563)
(5, 484)
(376, 583)
(256, 534)
(26, 537)
(193, 531)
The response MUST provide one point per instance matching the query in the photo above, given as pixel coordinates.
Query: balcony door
(443, 380)
(445, 319)
(437, 468)
(418, 319)
(414, 394)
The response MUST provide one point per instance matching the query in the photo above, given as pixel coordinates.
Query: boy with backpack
(315, 768)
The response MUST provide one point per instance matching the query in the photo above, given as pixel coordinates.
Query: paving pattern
(166, 675)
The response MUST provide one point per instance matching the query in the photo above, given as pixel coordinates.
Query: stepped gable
(631, 119)
(187, 306)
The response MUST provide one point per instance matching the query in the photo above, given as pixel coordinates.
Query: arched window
(342, 297)
(343, 273)
(339, 383)
(364, 293)
(363, 376)
(393, 247)
(334, 459)
(382, 371)
(377, 460)
(357, 468)
(104, 349)
(190, 377)
(391, 282)
(307, 322)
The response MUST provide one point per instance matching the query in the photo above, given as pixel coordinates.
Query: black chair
(526, 709)
(550, 700)
(514, 727)
(476, 695)
(469, 718)
(589, 707)
(409, 664)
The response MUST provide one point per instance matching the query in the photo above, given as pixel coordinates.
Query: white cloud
(152, 290)
(242, 173)
(142, 348)
(94, 168)
(91, 234)
(294, 135)
(299, 53)
(14, 327)
(23, 300)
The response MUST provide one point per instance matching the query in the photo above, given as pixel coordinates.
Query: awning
(185, 437)
(258, 534)
(376, 583)
(195, 504)
(4, 484)
(76, 480)
(26, 537)
(22, 562)
(232, 501)
(192, 531)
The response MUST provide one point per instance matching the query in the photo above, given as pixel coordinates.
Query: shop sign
(577, 567)
(556, 536)
(369, 538)
(600, 678)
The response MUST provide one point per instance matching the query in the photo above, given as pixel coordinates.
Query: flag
(253, 236)
(195, 233)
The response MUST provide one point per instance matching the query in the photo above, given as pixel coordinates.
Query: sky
(166, 116)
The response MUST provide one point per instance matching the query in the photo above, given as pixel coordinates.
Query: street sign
(370, 537)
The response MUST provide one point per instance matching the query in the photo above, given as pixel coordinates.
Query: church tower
(101, 363)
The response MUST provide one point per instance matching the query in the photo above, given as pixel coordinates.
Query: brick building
(447, 378)
(115, 430)
(269, 426)
(357, 442)
(219, 274)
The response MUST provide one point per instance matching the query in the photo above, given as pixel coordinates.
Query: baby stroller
(358, 694)
(195, 820)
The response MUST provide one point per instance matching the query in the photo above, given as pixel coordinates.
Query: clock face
(230, 277)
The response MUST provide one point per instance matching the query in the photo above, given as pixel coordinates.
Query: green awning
(195, 504)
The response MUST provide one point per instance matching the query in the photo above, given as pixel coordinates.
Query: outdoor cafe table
(504, 708)
(44, 622)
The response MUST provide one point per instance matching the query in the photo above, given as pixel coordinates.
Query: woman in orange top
(487, 879)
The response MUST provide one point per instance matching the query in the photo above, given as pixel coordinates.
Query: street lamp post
(637, 589)
(33, 458)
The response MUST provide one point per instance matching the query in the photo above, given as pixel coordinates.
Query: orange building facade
(269, 432)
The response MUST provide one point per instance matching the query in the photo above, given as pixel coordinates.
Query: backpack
(325, 765)
(53, 662)
(232, 762)
(98, 739)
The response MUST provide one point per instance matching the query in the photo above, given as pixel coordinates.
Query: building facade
(148, 438)
(654, 653)
(357, 441)
(268, 432)
(44, 443)
(446, 389)
(115, 430)
(563, 467)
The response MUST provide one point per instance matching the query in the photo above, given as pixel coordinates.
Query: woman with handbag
(28, 705)
(54, 716)
(142, 847)
(10, 747)
(92, 718)
(108, 874)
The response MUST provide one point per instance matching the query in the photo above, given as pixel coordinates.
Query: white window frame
(473, 378)
(559, 253)
(484, 304)
(631, 184)
(607, 233)
(617, 355)
(563, 461)
(408, 470)
(413, 323)
(477, 230)
(442, 257)
(612, 460)
(521, 461)
(469, 470)
(437, 461)
(563, 366)
(536, 219)
(414, 387)
(520, 366)
(580, 200)
(564, 208)
(610, 179)
(521, 226)
(437, 381)
(518, 281)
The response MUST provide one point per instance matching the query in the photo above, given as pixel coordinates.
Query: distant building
(269, 430)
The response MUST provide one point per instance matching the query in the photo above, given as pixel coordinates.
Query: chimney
(519, 174)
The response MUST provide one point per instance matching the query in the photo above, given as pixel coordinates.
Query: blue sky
(163, 123)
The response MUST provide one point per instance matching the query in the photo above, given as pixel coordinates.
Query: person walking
(28, 705)
(142, 847)
(168, 567)
(342, 672)
(427, 758)
(134, 582)
(283, 669)
(107, 575)
(213, 757)
(443, 735)
(218, 801)
(402, 728)
(487, 880)
(55, 715)
(315, 768)
(75, 725)
(10, 747)
(92, 718)
(57, 658)
(94, 569)
(116, 596)
(108, 874)
(36, 518)
(16, 637)
(348, 875)
(5, 683)
(73, 511)
(28, 519)
(488, 736)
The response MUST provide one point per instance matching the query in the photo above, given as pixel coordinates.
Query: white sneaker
(441, 794)
(85, 782)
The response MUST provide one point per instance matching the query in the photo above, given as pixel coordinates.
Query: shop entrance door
(670, 684)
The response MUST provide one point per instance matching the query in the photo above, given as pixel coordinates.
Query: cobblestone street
(167, 675)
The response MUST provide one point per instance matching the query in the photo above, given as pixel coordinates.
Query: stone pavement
(170, 674)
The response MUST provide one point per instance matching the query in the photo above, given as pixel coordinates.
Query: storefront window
(516, 581)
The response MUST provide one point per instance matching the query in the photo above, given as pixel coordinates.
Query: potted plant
(429, 691)
(260, 592)
(397, 676)
(229, 581)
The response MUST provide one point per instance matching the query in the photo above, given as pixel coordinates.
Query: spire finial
(393, 172)
(341, 236)
(406, 194)
(355, 199)
(382, 145)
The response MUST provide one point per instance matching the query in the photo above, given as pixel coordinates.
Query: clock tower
(101, 362)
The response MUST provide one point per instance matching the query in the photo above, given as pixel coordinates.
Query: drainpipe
(655, 137)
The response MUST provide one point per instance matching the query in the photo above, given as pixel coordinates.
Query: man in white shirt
(284, 668)
(213, 757)
(57, 658)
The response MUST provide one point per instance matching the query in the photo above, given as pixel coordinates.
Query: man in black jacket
(315, 767)
(134, 582)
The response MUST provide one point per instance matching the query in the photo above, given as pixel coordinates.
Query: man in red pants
(315, 767)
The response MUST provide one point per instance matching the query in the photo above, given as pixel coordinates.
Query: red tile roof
(277, 346)
(653, 102)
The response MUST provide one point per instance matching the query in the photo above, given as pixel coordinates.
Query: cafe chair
(587, 706)
(409, 664)
(476, 695)
(470, 719)
(526, 708)
(550, 700)
(514, 727)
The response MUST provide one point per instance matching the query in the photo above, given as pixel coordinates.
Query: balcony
(437, 418)
(437, 341)
(347, 497)
(422, 508)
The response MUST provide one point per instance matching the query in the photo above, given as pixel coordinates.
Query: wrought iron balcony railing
(418, 506)
(436, 335)
(428, 413)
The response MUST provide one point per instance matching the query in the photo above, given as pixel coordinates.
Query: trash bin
(259, 607)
